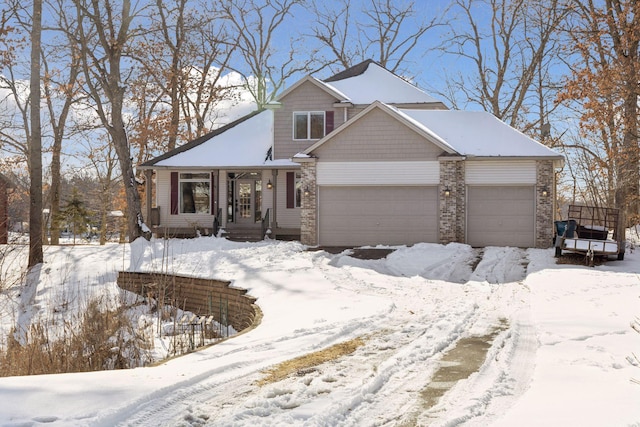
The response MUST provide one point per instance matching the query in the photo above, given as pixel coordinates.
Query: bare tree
(181, 60)
(100, 163)
(104, 33)
(60, 84)
(510, 55)
(386, 31)
(265, 66)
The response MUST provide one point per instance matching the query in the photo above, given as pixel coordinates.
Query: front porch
(240, 204)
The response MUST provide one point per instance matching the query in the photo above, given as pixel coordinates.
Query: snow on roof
(376, 83)
(244, 144)
(478, 134)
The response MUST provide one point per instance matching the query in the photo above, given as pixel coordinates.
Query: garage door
(500, 216)
(356, 216)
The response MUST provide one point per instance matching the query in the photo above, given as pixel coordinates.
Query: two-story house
(361, 158)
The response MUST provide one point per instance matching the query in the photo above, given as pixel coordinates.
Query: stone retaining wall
(200, 296)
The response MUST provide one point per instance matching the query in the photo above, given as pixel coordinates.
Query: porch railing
(216, 222)
(265, 223)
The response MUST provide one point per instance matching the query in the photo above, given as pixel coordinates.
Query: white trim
(182, 180)
(378, 173)
(500, 172)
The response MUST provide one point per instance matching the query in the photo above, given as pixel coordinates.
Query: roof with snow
(368, 81)
(243, 143)
(478, 134)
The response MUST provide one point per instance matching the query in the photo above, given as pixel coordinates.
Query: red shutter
(174, 193)
(328, 122)
(291, 190)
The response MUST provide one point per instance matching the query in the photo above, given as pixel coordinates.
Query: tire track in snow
(376, 385)
(501, 265)
(506, 374)
(408, 367)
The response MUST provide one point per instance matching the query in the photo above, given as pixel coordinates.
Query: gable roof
(465, 133)
(394, 112)
(368, 81)
(365, 83)
(246, 142)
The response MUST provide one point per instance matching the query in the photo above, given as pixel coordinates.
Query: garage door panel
(353, 216)
(512, 225)
(500, 216)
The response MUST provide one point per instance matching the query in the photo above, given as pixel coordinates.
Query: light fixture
(269, 185)
(447, 192)
(545, 192)
(306, 191)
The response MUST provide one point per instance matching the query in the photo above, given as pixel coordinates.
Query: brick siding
(452, 207)
(545, 179)
(308, 212)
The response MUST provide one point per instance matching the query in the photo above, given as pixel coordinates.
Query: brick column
(452, 206)
(309, 209)
(545, 181)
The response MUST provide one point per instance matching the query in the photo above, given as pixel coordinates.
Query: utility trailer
(592, 231)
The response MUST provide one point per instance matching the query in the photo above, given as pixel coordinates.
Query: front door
(245, 201)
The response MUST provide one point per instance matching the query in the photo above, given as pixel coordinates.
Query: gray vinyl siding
(370, 215)
(307, 97)
(287, 217)
(501, 216)
(377, 137)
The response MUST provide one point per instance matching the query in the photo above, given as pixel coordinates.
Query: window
(194, 193)
(308, 125)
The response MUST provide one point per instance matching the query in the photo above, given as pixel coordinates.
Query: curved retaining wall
(200, 296)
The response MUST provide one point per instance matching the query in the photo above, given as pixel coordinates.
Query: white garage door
(501, 216)
(356, 216)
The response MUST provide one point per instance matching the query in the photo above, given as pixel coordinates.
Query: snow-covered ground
(560, 361)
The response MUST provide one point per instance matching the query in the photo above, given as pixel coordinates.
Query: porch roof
(243, 144)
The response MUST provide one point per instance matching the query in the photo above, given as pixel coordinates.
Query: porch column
(148, 177)
(274, 196)
(223, 186)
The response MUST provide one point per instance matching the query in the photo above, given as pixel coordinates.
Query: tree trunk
(35, 145)
(121, 144)
(54, 214)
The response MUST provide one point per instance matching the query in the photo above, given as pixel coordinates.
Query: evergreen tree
(75, 213)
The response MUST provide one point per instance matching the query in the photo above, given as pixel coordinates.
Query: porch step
(243, 234)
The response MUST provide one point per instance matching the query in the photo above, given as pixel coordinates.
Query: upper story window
(308, 125)
(194, 193)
